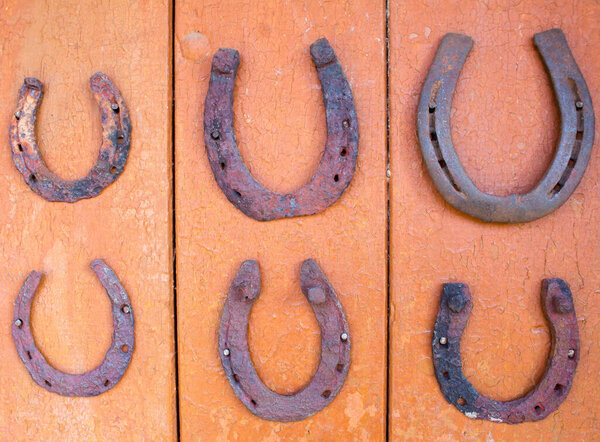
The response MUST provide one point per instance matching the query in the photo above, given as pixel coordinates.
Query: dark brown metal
(551, 390)
(100, 379)
(116, 138)
(571, 156)
(335, 347)
(338, 162)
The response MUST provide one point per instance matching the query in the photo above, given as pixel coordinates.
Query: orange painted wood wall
(387, 245)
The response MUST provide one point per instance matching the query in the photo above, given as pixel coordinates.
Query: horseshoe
(100, 379)
(335, 347)
(551, 390)
(116, 138)
(571, 157)
(338, 162)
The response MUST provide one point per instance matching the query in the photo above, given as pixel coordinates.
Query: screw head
(571, 353)
(344, 337)
(443, 340)
(18, 114)
(126, 309)
(345, 123)
(18, 323)
(579, 104)
(226, 352)
(215, 134)
(114, 106)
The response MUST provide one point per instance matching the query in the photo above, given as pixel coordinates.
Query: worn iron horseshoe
(116, 132)
(335, 347)
(100, 379)
(338, 162)
(551, 390)
(571, 156)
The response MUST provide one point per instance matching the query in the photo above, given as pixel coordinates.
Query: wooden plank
(280, 125)
(504, 126)
(63, 44)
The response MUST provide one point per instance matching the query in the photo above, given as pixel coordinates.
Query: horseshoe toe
(116, 130)
(551, 390)
(337, 165)
(100, 379)
(335, 347)
(571, 156)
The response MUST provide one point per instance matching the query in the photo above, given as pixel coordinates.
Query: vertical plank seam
(387, 202)
(174, 220)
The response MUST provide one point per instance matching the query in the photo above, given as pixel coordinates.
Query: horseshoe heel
(109, 372)
(335, 347)
(338, 161)
(551, 390)
(116, 138)
(571, 157)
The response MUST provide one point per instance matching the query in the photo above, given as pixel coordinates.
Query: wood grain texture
(280, 125)
(63, 44)
(504, 126)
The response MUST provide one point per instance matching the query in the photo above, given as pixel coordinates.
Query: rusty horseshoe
(235, 356)
(116, 131)
(551, 390)
(100, 379)
(338, 161)
(571, 156)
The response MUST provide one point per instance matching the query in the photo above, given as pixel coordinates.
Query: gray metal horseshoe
(114, 150)
(338, 162)
(235, 356)
(552, 389)
(571, 156)
(109, 372)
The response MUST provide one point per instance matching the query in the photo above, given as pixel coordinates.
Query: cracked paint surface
(280, 128)
(504, 126)
(64, 43)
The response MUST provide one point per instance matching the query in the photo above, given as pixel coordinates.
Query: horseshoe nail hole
(446, 375)
(326, 394)
(346, 123)
(20, 147)
(339, 368)
(253, 402)
(343, 152)
(433, 136)
(124, 348)
(106, 382)
(115, 108)
(579, 135)
(336, 178)
(443, 164)
(238, 194)
(47, 383)
(113, 170)
(29, 355)
(120, 138)
(571, 163)
(539, 409)
(33, 178)
(559, 389)
(236, 377)
(431, 108)
(461, 401)
(223, 165)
